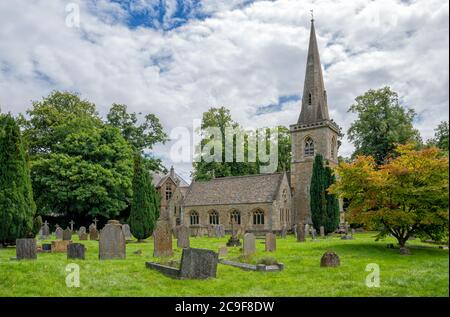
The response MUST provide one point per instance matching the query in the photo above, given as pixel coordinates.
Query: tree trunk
(26, 249)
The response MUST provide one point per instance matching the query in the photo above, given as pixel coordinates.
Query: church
(263, 202)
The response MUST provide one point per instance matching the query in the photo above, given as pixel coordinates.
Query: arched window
(168, 191)
(309, 99)
(333, 147)
(194, 218)
(258, 217)
(235, 217)
(309, 147)
(213, 218)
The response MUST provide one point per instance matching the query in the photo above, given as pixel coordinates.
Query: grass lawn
(424, 273)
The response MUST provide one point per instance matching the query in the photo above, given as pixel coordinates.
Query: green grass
(424, 273)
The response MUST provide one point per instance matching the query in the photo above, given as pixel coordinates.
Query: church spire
(314, 101)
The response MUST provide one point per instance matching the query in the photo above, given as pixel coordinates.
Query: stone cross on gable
(71, 224)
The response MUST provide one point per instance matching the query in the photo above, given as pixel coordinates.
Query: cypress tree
(17, 207)
(145, 204)
(324, 206)
(318, 201)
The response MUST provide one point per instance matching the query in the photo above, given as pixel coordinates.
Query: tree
(80, 166)
(17, 207)
(440, 136)
(145, 204)
(324, 205)
(221, 118)
(407, 195)
(140, 136)
(381, 124)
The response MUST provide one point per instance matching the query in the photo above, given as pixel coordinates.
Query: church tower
(314, 133)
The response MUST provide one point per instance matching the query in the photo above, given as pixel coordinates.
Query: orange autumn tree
(406, 196)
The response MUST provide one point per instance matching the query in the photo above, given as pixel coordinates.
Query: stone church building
(263, 202)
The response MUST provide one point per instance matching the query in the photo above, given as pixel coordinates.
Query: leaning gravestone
(183, 237)
(271, 242)
(330, 259)
(249, 244)
(127, 232)
(93, 234)
(76, 251)
(300, 233)
(26, 249)
(59, 233)
(198, 264)
(162, 238)
(67, 234)
(112, 241)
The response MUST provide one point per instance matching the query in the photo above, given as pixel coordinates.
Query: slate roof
(260, 188)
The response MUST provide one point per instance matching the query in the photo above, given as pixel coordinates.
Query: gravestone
(59, 233)
(405, 251)
(294, 229)
(211, 232)
(112, 242)
(330, 259)
(45, 231)
(127, 232)
(220, 231)
(76, 251)
(183, 237)
(307, 231)
(271, 242)
(300, 233)
(223, 251)
(81, 230)
(283, 232)
(60, 245)
(93, 234)
(92, 226)
(249, 244)
(322, 231)
(198, 264)
(67, 234)
(162, 237)
(313, 234)
(83, 236)
(26, 249)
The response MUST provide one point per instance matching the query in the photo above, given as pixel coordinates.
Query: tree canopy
(381, 124)
(407, 195)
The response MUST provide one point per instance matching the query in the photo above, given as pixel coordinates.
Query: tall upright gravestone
(162, 238)
(183, 237)
(271, 242)
(249, 244)
(112, 242)
(67, 234)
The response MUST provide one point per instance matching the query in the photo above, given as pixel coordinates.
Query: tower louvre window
(309, 147)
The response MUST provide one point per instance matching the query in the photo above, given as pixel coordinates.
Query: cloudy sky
(177, 58)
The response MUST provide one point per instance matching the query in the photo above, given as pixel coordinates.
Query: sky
(178, 58)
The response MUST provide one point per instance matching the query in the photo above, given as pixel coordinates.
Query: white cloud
(242, 57)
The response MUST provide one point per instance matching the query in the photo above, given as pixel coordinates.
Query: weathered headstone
(330, 259)
(283, 232)
(322, 231)
(59, 233)
(92, 226)
(112, 241)
(60, 245)
(93, 234)
(198, 264)
(294, 229)
(162, 237)
(83, 236)
(127, 232)
(313, 233)
(211, 232)
(223, 251)
(67, 234)
(183, 237)
(81, 230)
(26, 249)
(76, 251)
(271, 242)
(220, 231)
(249, 246)
(45, 231)
(307, 231)
(300, 233)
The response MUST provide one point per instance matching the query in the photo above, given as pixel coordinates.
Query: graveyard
(422, 273)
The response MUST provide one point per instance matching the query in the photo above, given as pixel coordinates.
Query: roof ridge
(239, 176)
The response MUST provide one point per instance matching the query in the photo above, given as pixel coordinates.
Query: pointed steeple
(314, 101)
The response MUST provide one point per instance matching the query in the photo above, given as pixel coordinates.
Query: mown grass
(424, 273)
